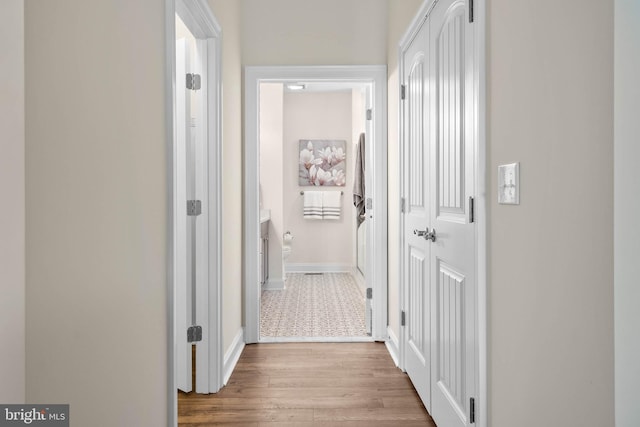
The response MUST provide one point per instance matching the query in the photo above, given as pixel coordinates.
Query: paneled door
(417, 249)
(452, 184)
(439, 253)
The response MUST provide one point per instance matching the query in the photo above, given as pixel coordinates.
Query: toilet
(286, 251)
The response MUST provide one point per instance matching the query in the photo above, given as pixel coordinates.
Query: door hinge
(194, 207)
(470, 11)
(472, 209)
(402, 204)
(472, 410)
(194, 334)
(402, 318)
(403, 92)
(369, 293)
(369, 203)
(369, 114)
(194, 81)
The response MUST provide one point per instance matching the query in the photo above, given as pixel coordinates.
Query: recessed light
(295, 86)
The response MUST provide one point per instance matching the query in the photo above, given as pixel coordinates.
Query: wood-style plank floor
(310, 384)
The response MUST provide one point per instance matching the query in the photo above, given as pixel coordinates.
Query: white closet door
(416, 218)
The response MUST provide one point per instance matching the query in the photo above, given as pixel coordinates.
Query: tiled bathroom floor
(314, 306)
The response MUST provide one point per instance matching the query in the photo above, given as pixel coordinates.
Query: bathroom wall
(271, 173)
(317, 116)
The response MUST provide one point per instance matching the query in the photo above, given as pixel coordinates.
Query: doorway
(371, 80)
(194, 57)
(312, 144)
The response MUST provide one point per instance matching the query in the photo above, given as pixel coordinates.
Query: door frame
(377, 253)
(198, 16)
(481, 202)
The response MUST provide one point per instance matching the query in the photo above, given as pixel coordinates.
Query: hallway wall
(325, 32)
(227, 12)
(550, 107)
(96, 204)
(12, 194)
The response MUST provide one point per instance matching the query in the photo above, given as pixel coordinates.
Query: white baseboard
(393, 345)
(273, 285)
(232, 355)
(318, 268)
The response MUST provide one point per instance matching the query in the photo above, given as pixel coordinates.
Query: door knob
(428, 235)
(421, 233)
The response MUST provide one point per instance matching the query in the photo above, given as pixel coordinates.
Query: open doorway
(312, 191)
(194, 57)
(280, 182)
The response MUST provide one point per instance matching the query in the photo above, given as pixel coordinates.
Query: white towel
(312, 208)
(331, 204)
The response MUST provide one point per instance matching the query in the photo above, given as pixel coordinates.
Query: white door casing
(416, 249)
(376, 264)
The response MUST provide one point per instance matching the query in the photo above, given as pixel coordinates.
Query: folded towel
(312, 208)
(331, 204)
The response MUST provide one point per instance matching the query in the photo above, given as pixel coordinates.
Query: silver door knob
(431, 235)
(428, 235)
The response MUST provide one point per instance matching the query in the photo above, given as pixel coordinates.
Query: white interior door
(452, 183)
(182, 263)
(416, 218)
(192, 263)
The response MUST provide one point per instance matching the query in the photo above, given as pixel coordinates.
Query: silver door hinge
(194, 334)
(402, 204)
(472, 411)
(472, 209)
(369, 203)
(403, 92)
(194, 207)
(194, 82)
(369, 293)
(369, 114)
(470, 11)
(402, 318)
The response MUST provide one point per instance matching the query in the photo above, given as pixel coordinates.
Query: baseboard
(273, 285)
(318, 268)
(392, 346)
(232, 355)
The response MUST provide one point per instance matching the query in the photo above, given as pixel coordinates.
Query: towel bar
(302, 193)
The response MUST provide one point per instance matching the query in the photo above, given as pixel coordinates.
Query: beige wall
(627, 212)
(271, 172)
(12, 188)
(313, 32)
(400, 15)
(227, 12)
(317, 116)
(96, 210)
(550, 107)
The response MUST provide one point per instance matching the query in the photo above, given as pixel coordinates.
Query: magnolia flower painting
(322, 163)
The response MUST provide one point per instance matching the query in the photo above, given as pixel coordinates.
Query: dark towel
(358, 182)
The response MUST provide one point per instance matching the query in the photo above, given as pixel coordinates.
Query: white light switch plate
(509, 184)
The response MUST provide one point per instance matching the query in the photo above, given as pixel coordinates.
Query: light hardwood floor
(310, 384)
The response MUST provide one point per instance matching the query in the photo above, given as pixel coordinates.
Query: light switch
(509, 184)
